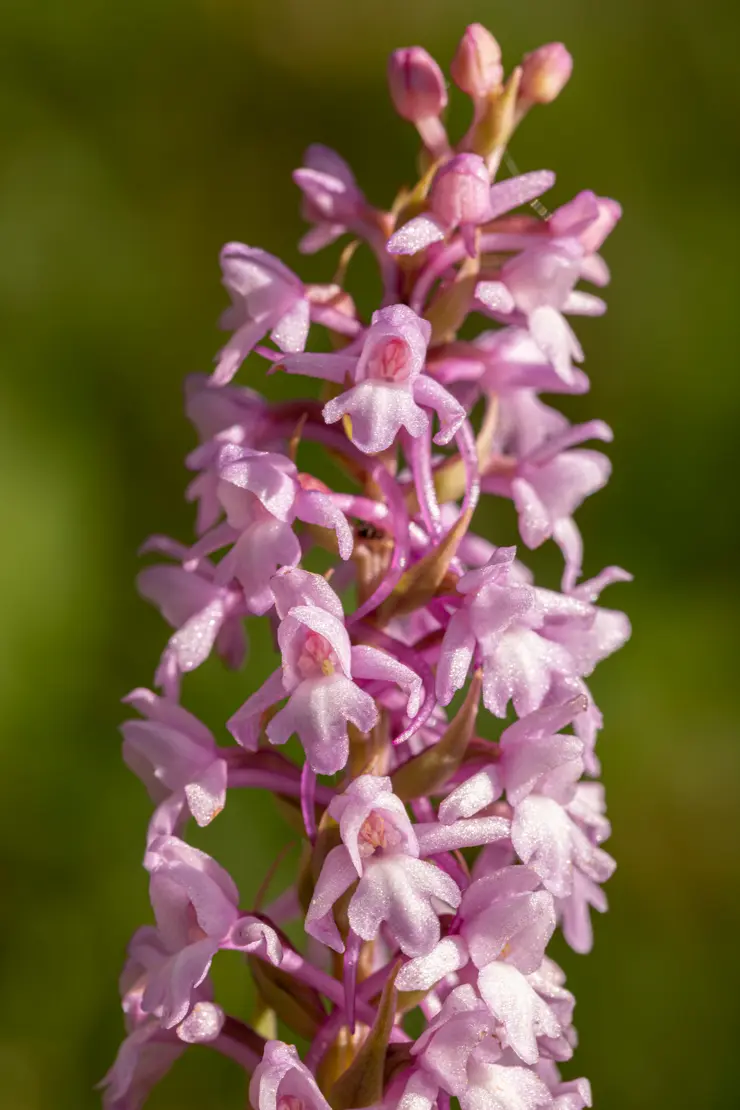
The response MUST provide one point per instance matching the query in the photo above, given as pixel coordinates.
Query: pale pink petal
(591, 589)
(563, 484)
(545, 722)
(318, 711)
(192, 643)
(420, 1092)
(521, 1011)
(291, 331)
(221, 535)
(232, 355)
(573, 1095)
(542, 834)
(244, 726)
(282, 1080)
(567, 536)
(169, 988)
(515, 191)
(534, 520)
(470, 832)
(318, 508)
(255, 937)
(589, 217)
(506, 1088)
(452, 1037)
(295, 586)
(584, 304)
(595, 270)
(215, 410)
(576, 216)
(551, 765)
(505, 915)
(143, 1059)
(178, 593)
(608, 632)
(422, 973)
(246, 474)
(319, 237)
(574, 912)
(161, 756)
(522, 667)
(471, 796)
(206, 794)
(415, 235)
(167, 712)
(569, 436)
(326, 161)
(169, 818)
(450, 412)
(555, 339)
(337, 875)
(378, 412)
(256, 556)
(495, 296)
(330, 367)
(456, 656)
(208, 886)
(404, 893)
(369, 663)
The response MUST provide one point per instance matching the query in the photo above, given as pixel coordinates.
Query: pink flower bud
(476, 67)
(460, 191)
(416, 83)
(545, 73)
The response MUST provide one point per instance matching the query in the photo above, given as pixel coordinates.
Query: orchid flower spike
(435, 866)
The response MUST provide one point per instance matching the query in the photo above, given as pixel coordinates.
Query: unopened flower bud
(460, 191)
(476, 67)
(545, 73)
(416, 83)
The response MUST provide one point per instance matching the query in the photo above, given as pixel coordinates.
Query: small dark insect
(368, 531)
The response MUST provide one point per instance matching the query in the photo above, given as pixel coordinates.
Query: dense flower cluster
(437, 863)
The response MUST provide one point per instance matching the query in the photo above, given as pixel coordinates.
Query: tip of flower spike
(416, 83)
(545, 73)
(476, 67)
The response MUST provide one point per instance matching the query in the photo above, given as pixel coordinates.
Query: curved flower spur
(437, 864)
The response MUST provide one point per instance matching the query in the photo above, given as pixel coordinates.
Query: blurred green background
(137, 138)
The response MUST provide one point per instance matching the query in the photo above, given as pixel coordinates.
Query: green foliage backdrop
(136, 139)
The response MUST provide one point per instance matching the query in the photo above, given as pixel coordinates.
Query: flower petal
(414, 236)
(521, 1011)
(451, 414)
(369, 662)
(244, 725)
(337, 875)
